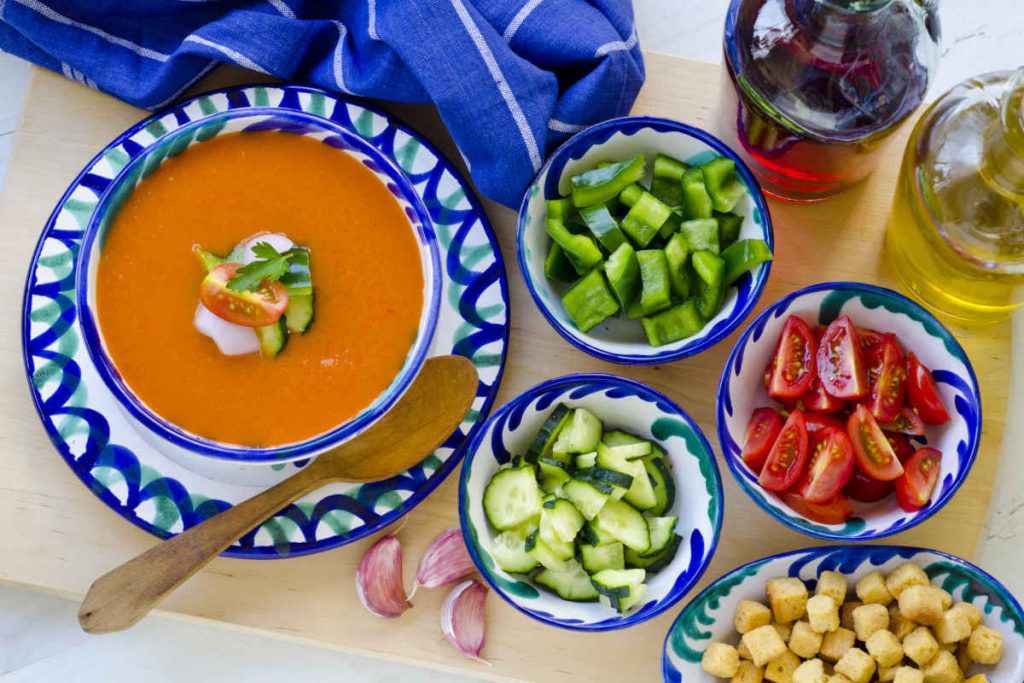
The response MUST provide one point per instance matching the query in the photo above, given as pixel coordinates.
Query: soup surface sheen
(366, 273)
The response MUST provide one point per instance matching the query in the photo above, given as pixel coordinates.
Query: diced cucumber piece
(631, 451)
(677, 253)
(509, 551)
(560, 521)
(553, 474)
(624, 523)
(662, 529)
(591, 535)
(618, 584)
(743, 256)
(554, 558)
(581, 250)
(512, 497)
(701, 234)
(605, 182)
(723, 184)
(603, 227)
(620, 438)
(557, 266)
(655, 290)
(272, 338)
(585, 460)
(603, 477)
(298, 315)
(678, 322)
(657, 561)
(661, 479)
(696, 202)
(560, 209)
(299, 278)
(636, 594)
(597, 558)
(544, 441)
(571, 583)
(645, 218)
(585, 496)
(640, 492)
(729, 225)
(623, 271)
(710, 271)
(590, 301)
(582, 433)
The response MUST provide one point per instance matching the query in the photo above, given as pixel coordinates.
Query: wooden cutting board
(58, 537)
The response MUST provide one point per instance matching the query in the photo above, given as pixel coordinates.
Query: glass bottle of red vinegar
(819, 86)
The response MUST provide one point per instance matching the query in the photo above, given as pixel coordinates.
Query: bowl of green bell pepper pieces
(644, 240)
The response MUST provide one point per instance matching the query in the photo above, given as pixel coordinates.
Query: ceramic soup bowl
(617, 339)
(620, 404)
(741, 391)
(708, 618)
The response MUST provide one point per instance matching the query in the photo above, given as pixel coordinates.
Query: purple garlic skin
(445, 561)
(463, 618)
(379, 579)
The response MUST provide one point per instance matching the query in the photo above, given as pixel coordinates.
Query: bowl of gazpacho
(259, 287)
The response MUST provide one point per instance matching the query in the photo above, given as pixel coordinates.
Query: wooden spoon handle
(121, 597)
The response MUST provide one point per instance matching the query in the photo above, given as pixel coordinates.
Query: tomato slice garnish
(793, 366)
(923, 394)
(817, 422)
(762, 430)
(863, 488)
(914, 489)
(886, 391)
(264, 306)
(901, 445)
(875, 456)
(905, 422)
(787, 459)
(831, 466)
(840, 361)
(835, 511)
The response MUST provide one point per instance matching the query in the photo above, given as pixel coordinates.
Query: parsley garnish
(270, 267)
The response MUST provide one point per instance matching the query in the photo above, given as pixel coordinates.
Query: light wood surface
(59, 536)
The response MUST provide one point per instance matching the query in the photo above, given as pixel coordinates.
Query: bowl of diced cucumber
(644, 240)
(590, 502)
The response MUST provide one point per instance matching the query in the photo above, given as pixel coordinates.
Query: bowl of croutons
(850, 614)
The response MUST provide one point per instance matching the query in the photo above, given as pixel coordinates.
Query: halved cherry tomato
(830, 469)
(875, 456)
(922, 393)
(865, 489)
(886, 392)
(762, 430)
(901, 446)
(793, 369)
(841, 365)
(820, 401)
(249, 308)
(870, 339)
(914, 489)
(816, 424)
(835, 511)
(906, 422)
(788, 458)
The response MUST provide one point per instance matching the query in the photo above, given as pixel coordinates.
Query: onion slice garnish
(379, 579)
(231, 339)
(463, 618)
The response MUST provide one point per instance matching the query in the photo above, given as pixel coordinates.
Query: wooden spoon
(419, 422)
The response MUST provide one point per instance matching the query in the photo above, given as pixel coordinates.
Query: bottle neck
(1004, 143)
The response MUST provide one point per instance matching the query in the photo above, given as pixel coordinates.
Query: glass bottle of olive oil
(956, 231)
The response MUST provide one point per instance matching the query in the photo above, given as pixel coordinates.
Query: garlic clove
(445, 561)
(463, 618)
(379, 579)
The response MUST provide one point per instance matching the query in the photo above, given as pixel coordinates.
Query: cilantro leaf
(271, 266)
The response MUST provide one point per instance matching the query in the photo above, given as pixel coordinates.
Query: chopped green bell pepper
(581, 250)
(590, 301)
(729, 225)
(743, 256)
(599, 185)
(678, 322)
(666, 184)
(557, 266)
(701, 233)
(646, 215)
(710, 269)
(723, 185)
(602, 225)
(655, 289)
(560, 209)
(671, 225)
(696, 201)
(677, 253)
(623, 271)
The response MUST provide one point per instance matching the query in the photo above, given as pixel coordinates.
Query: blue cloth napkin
(510, 78)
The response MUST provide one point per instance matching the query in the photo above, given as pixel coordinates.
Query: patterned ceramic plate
(708, 617)
(153, 492)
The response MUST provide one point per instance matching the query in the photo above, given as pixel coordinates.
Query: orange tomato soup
(367, 280)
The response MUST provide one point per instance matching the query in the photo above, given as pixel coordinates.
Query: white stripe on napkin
(48, 13)
(234, 55)
(499, 79)
(563, 127)
(617, 45)
(282, 7)
(336, 64)
(371, 28)
(517, 21)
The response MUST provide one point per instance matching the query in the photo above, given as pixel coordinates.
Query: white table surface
(39, 635)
